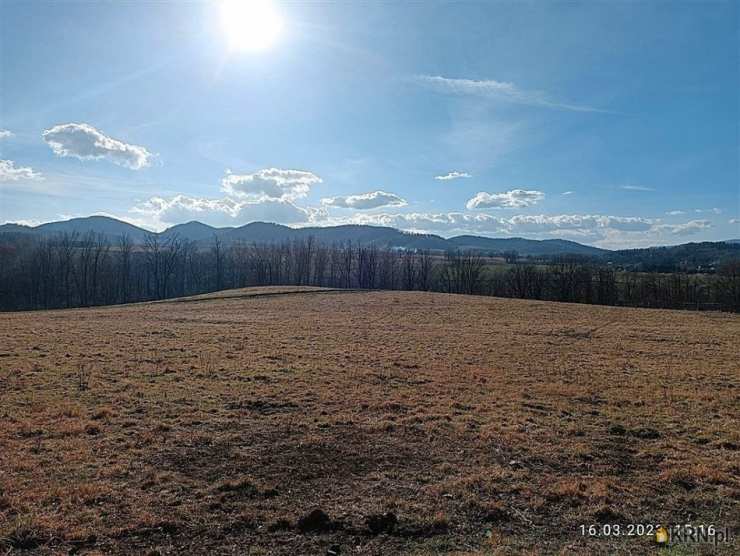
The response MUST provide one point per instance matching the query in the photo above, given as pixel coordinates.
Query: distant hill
(194, 231)
(16, 229)
(525, 246)
(706, 254)
(689, 255)
(262, 232)
(108, 227)
(265, 232)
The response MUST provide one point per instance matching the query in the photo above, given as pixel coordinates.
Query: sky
(614, 124)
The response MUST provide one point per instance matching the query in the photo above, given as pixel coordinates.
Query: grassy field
(305, 421)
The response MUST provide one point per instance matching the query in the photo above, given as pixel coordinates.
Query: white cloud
(270, 183)
(453, 176)
(557, 223)
(711, 210)
(626, 223)
(612, 232)
(567, 192)
(85, 142)
(445, 223)
(222, 212)
(735, 221)
(636, 188)
(675, 212)
(365, 201)
(576, 226)
(516, 198)
(5, 134)
(499, 90)
(689, 228)
(31, 223)
(10, 172)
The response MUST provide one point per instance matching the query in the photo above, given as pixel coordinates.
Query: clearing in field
(308, 421)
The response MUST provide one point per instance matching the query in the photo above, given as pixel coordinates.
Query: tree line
(82, 270)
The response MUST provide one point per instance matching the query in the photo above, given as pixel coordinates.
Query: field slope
(406, 422)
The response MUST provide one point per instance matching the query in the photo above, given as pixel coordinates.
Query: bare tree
(425, 267)
(409, 273)
(526, 281)
(72, 270)
(125, 248)
(462, 272)
(161, 259)
(321, 261)
(387, 269)
(728, 285)
(345, 269)
(65, 253)
(218, 262)
(367, 266)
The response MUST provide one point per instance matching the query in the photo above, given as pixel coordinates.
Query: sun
(250, 24)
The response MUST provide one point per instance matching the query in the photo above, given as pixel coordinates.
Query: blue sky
(610, 123)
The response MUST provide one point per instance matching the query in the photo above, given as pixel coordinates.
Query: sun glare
(250, 24)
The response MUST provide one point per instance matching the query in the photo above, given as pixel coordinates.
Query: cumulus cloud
(365, 201)
(10, 172)
(686, 229)
(497, 90)
(577, 226)
(675, 212)
(5, 134)
(551, 223)
(222, 212)
(734, 220)
(85, 142)
(602, 230)
(270, 183)
(516, 198)
(567, 193)
(627, 223)
(442, 223)
(453, 176)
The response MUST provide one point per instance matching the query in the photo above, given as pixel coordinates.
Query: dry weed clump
(83, 376)
(368, 422)
(23, 532)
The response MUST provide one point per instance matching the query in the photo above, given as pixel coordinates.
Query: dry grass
(483, 425)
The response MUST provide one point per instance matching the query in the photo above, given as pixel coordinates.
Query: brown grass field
(483, 425)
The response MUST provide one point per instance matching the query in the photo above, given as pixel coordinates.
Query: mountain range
(264, 232)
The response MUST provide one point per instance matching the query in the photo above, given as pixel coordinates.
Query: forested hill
(705, 255)
(263, 232)
(689, 256)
